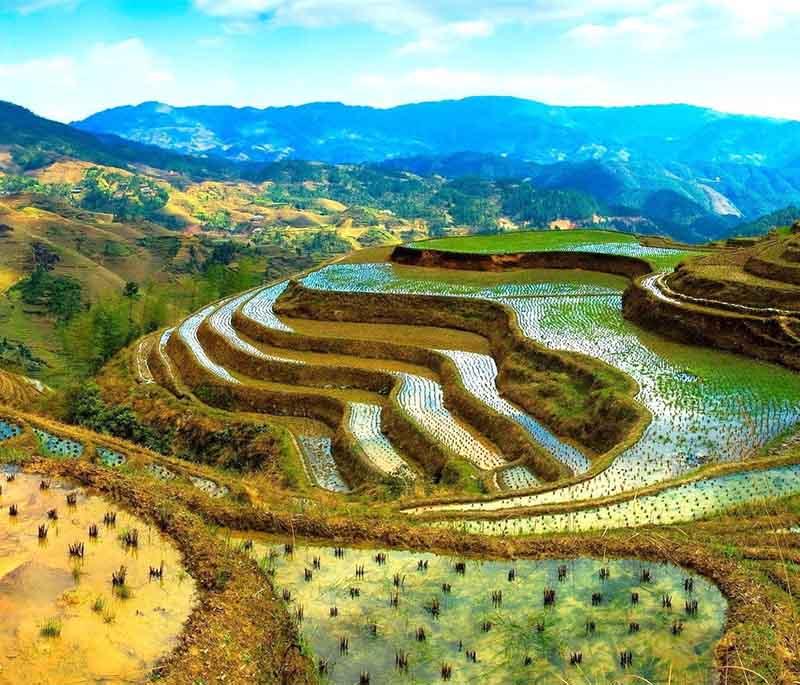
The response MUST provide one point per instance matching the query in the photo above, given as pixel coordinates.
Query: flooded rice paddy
(8, 430)
(321, 468)
(406, 617)
(58, 446)
(706, 405)
(686, 502)
(63, 619)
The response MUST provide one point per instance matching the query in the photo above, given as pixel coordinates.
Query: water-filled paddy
(58, 446)
(321, 467)
(706, 405)
(63, 621)
(8, 430)
(686, 502)
(428, 609)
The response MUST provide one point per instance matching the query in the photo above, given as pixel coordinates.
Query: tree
(131, 290)
(42, 257)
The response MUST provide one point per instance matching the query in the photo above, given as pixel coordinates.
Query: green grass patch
(524, 241)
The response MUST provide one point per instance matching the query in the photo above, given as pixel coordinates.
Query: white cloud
(441, 38)
(31, 6)
(108, 74)
(439, 25)
(656, 24)
(663, 27)
(433, 26)
(757, 17)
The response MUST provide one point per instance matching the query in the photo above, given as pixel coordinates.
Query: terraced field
(706, 406)
(588, 241)
(20, 391)
(429, 442)
(54, 441)
(419, 397)
(706, 409)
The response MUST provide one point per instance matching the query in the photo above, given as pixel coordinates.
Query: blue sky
(69, 58)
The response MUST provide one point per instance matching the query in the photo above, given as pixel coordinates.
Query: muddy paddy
(64, 619)
(407, 617)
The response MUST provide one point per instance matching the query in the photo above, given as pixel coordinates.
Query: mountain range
(521, 129)
(696, 172)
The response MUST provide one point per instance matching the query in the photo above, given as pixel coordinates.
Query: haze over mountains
(680, 165)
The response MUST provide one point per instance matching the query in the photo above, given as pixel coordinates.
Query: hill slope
(29, 142)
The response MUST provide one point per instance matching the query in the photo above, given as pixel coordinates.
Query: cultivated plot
(706, 405)
(421, 618)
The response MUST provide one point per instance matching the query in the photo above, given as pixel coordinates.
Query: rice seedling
(51, 628)
(421, 628)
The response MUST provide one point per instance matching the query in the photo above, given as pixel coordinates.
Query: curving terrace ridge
(479, 375)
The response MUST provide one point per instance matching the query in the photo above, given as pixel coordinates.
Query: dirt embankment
(510, 437)
(775, 270)
(577, 397)
(253, 399)
(751, 293)
(224, 352)
(430, 456)
(770, 339)
(619, 265)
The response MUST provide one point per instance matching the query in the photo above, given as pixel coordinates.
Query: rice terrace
(439, 387)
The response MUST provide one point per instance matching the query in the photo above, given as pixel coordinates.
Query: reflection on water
(429, 609)
(104, 635)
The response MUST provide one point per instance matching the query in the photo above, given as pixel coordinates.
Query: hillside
(692, 172)
(30, 142)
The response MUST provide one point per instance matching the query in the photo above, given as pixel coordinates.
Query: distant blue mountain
(523, 129)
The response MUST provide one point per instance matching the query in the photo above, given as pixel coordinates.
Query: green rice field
(586, 240)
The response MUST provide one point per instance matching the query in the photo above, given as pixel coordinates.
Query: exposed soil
(630, 267)
(771, 339)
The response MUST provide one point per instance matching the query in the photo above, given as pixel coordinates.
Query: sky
(67, 59)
